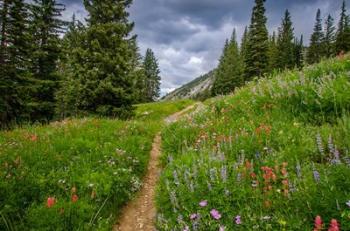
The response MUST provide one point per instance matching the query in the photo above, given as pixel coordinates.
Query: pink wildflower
(215, 214)
(203, 203)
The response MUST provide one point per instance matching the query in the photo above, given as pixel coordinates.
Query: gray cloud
(187, 36)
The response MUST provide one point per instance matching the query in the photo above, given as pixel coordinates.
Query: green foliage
(257, 45)
(329, 37)
(46, 26)
(285, 45)
(315, 50)
(276, 153)
(343, 32)
(101, 161)
(152, 78)
(228, 75)
(100, 67)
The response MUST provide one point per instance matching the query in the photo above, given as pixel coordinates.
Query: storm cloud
(187, 36)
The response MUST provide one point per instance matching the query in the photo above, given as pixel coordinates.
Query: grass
(273, 156)
(78, 173)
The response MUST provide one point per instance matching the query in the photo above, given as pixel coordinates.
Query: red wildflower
(334, 225)
(75, 198)
(33, 138)
(318, 223)
(51, 201)
(253, 175)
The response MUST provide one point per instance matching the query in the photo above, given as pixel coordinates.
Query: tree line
(260, 53)
(51, 69)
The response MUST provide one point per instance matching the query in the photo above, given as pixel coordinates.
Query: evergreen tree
(315, 50)
(101, 65)
(257, 48)
(46, 28)
(14, 75)
(329, 37)
(244, 43)
(273, 53)
(285, 44)
(150, 65)
(299, 52)
(343, 32)
(229, 73)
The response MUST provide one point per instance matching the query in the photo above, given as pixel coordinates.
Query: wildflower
(334, 225)
(318, 223)
(348, 203)
(186, 228)
(215, 214)
(224, 173)
(33, 138)
(298, 170)
(194, 216)
(316, 176)
(203, 203)
(319, 144)
(51, 201)
(238, 220)
(74, 190)
(74, 198)
(222, 228)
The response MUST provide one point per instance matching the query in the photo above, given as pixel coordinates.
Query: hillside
(273, 156)
(196, 89)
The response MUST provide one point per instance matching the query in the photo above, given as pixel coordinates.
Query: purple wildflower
(319, 144)
(298, 170)
(316, 176)
(215, 214)
(194, 216)
(238, 220)
(203, 203)
(224, 173)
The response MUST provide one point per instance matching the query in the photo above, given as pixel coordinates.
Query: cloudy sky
(187, 36)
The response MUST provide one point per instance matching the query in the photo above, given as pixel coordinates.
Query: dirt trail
(139, 214)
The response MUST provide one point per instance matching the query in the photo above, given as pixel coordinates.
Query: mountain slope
(196, 89)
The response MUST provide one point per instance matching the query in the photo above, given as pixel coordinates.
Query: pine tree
(69, 86)
(299, 52)
(14, 74)
(343, 32)
(244, 43)
(285, 44)
(229, 73)
(273, 53)
(329, 37)
(46, 28)
(102, 63)
(257, 47)
(315, 50)
(150, 65)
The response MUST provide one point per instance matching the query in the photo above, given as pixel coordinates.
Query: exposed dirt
(139, 214)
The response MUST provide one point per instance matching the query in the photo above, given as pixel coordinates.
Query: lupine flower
(215, 214)
(334, 225)
(74, 198)
(316, 176)
(224, 173)
(238, 220)
(298, 170)
(176, 178)
(51, 201)
(318, 223)
(319, 143)
(203, 203)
